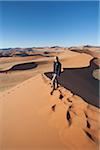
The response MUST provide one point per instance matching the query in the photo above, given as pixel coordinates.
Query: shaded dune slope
(94, 53)
(23, 66)
(81, 82)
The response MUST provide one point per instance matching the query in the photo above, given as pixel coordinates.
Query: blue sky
(48, 23)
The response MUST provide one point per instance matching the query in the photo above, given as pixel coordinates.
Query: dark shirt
(57, 68)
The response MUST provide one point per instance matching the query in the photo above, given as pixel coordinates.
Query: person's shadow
(81, 82)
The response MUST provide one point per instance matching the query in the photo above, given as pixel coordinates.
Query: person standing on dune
(56, 73)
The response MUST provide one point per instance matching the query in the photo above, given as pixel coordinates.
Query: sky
(48, 23)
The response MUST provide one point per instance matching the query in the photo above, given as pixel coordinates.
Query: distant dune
(91, 50)
(24, 52)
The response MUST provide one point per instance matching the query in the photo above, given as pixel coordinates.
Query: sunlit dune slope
(32, 119)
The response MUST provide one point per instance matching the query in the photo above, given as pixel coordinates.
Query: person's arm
(62, 69)
(53, 67)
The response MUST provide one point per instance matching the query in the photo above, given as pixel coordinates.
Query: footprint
(88, 125)
(61, 96)
(69, 100)
(86, 115)
(89, 135)
(51, 93)
(51, 85)
(70, 106)
(68, 116)
(53, 107)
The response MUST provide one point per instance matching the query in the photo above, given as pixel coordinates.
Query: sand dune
(32, 119)
(93, 51)
(10, 78)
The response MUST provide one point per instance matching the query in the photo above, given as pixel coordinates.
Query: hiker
(56, 73)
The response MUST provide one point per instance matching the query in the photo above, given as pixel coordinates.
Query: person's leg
(53, 83)
(53, 80)
(54, 76)
(57, 81)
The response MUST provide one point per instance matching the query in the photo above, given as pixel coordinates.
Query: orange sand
(28, 122)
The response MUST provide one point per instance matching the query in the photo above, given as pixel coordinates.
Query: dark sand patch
(23, 66)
